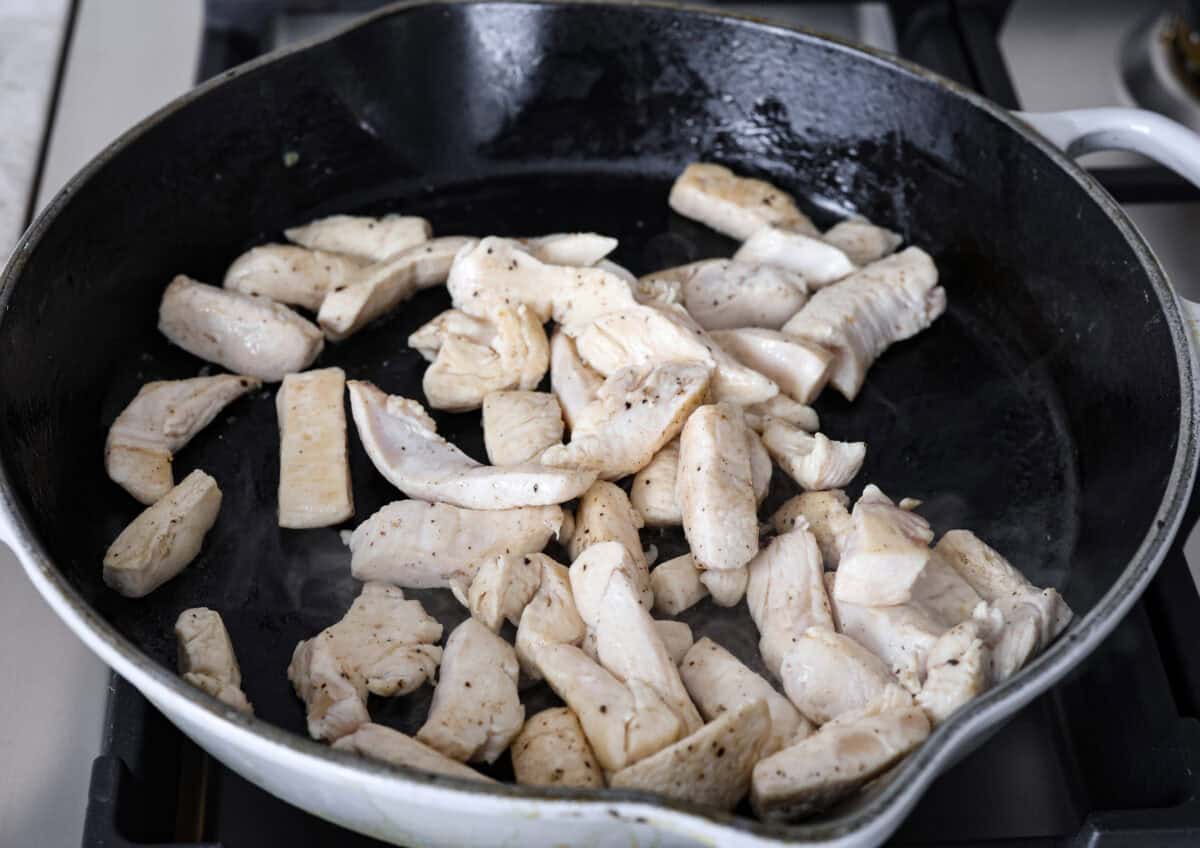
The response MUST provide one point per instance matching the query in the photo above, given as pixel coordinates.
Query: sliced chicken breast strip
(722, 294)
(958, 670)
(552, 750)
(575, 249)
(314, 465)
(428, 339)
(799, 368)
(862, 241)
(391, 746)
(819, 262)
(206, 658)
(572, 381)
(676, 585)
(826, 674)
(519, 425)
(883, 554)
(942, 593)
(503, 586)
(372, 239)
(605, 515)
(828, 520)
(732, 205)
(677, 638)
(813, 460)
(782, 407)
(653, 490)
(292, 275)
(550, 618)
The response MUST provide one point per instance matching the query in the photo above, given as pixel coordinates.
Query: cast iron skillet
(1049, 410)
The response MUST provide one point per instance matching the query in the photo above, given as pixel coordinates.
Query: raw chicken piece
(722, 294)
(573, 382)
(314, 467)
(813, 460)
(884, 552)
(828, 520)
(653, 490)
(676, 585)
(786, 594)
(476, 711)
(464, 373)
(391, 746)
(164, 539)
(860, 317)
(372, 239)
(550, 618)
(383, 645)
(400, 438)
(711, 767)
(735, 206)
(942, 593)
(636, 412)
(652, 335)
(715, 490)
(164, 417)
(826, 674)
(819, 262)
(957, 671)
(428, 339)
(718, 682)
(291, 275)
(835, 761)
(799, 368)
(503, 586)
(378, 289)
(420, 545)
(605, 515)
(519, 425)
(206, 658)
(676, 636)
(782, 407)
(623, 723)
(247, 335)
(576, 249)
(862, 241)
(552, 750)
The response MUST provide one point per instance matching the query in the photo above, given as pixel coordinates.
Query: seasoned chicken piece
(605, 515)
(761, 468)
(292, 275)
(550, 618)
(503, 586)
(400, 438)
(519, 425)
(828, 520)
(592, 571)
(651, 335)
(164, 417)
(734, 206)
(884, 552)
(711, 767)
(423, 546)
(573, 382)
(247, 335)
(428, 339)
(943, 594)
(819, 262)
(476, 711)
(314, 467)
(813, 460)
(786, 594)
(958, 666)
(722, 294)
(826, 674)
(206, 658)
(499, 272)
(391, 746)
(676, 636)
(623, 723)
(891, 697)
(383, 645)
(719, 683)
(653, 491)
(859, 318)
(715, 490)
(164, 538)
(658, 291)
(372, 239)
(552, 750)
(799, 368)
(862, 241)
(676, 585)
(378, 289)
(576, 249)
(636, 412)
(782, 407)
(727, 587)
(833, 763)
(620, 271)
(464, 373)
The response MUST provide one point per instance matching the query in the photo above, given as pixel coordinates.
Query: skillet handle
(1080, 131)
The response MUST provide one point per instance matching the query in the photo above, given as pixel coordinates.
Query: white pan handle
(1080, 131)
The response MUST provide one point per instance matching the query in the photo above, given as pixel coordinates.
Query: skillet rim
(879, 815)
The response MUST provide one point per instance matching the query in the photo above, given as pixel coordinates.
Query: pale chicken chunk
(552, 750)
(860, 317)
(786, 594)
(421, 545)
(658, 291)
(384, 645)
(391, 746)
(722, 294)
(711, 767)
(636, 412)
(813, 460)
(799, 368)
(862, 241)
(164, 417)
(428, 339)
(653, 490)
(519, 425)
(782, 407)
(372, 239)
(248, 335)
(943, 593)
(828, 519)
(573, 382)
(676, 637)
(288, 274)
(819, 262)
(606, 515)
(884, 552)
(206, 658)
(400, 438)
(719, 683)
(826, 674)
(476, 711)
(575, 249)
(727, 586)
(164, 538)
(502, 587)
(833, 763)
(958, 670)
(676, 585)
(734, 206)
(550, 618)
(314, 466)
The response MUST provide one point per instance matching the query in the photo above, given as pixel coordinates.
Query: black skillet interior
(1041, 411)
